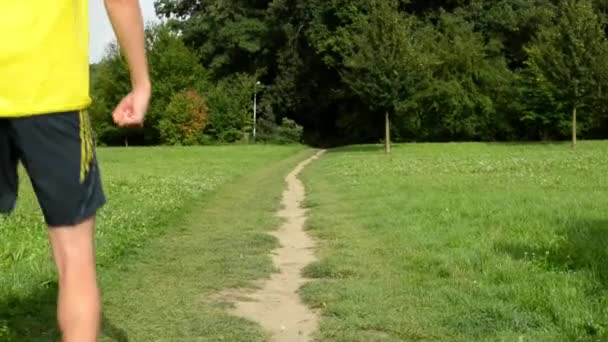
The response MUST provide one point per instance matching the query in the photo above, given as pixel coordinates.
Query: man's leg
(78, 306)
(57, 151)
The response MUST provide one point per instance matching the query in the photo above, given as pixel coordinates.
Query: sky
(101, 30)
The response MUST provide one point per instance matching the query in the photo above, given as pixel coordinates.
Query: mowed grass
(461, 242)
(175, 217)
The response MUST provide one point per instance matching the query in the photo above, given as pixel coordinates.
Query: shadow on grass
(529, 143)
(358, 149)
(33, 318)
(583, 246)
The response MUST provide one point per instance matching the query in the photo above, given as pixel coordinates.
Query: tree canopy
(442, 69)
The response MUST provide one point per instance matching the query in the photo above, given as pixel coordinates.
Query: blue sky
(101, 30)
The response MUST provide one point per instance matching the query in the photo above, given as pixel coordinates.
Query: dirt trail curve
(277, 305)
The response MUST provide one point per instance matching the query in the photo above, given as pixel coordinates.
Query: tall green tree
(229, 36)
(458, 98)
(384, 60)
(513, 23)
(569, 59)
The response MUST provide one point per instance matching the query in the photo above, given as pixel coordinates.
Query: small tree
(230, 107)
(384, 59)
(184, 119)
(569, 58)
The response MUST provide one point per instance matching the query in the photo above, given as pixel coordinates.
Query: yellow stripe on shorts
(86, 145)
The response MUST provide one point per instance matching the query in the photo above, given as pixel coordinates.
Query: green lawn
(181, 223)
(441, 242)
(461, 242)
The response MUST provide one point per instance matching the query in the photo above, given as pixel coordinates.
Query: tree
(511, 22)
(230, 107)
(183, 121)
(569, 58)
(110, 81)
(324, 65)
(173, 68)
(228, 36)
(384, 60)
(456, 99)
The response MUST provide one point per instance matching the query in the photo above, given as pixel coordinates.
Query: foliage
(227, 35)
(109, 83)
(287, 132)
(183, 121)
(383, 61)
(456, 100)
(173, 68)
(444, 69)
(568, 62)
(230, 107)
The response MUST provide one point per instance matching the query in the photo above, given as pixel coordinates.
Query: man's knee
(73, 247)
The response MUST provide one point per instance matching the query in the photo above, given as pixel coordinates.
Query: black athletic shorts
(58, 153)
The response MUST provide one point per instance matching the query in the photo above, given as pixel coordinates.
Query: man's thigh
(58, 152)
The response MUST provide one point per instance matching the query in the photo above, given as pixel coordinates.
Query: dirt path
(277, 305)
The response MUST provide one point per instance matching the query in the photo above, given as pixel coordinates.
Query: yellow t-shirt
(44, 56)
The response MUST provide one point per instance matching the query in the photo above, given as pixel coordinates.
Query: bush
(183, 121)
(289, 132)
(231, 135)
(230, 107)
(206, 139)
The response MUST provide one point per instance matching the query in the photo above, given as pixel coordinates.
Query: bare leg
(78, 307)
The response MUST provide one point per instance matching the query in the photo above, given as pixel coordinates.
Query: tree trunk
(574, 128)
(387, 134)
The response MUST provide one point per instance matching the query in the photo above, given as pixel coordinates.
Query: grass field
(440, 242)
(461, 242)
(169, 235)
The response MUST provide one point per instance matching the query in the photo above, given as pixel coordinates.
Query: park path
(277, 306)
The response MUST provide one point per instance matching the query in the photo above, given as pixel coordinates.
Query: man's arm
(127, 22)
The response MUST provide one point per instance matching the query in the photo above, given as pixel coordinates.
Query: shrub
(183, 121)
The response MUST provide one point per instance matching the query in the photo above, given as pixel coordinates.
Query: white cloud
(101, 33)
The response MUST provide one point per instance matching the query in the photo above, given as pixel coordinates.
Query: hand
(131, 111)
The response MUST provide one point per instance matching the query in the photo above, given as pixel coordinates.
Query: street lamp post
(255, 107)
